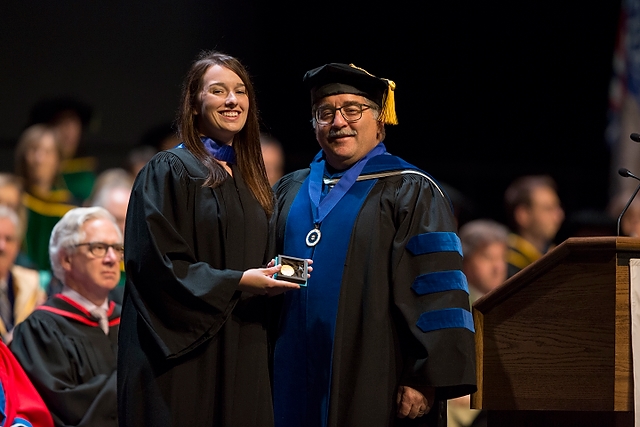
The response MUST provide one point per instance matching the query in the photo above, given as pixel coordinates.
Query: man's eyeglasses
(100, 249)
(351, 113)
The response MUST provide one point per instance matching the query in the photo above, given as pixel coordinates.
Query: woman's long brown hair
(246, 143)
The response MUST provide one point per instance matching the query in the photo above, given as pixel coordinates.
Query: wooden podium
(553, 342)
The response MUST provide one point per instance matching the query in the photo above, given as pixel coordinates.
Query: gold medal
(292, 269)
(287, 270)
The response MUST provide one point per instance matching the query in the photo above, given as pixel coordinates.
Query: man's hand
(412, 403)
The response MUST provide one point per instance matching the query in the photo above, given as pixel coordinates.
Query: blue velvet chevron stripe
(440, 281)
(437, 241)
(21, 422)
(446, 318)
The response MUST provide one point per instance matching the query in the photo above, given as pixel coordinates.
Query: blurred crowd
(58, 191)
(53, 174)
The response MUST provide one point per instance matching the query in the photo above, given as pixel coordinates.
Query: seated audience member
(20, 290)
(69, 118)
(11, 195)
(273, 157)
(20, 403)
(112, 192)
(11, 192)
(46, 199)
(484, 247)
(68, 345)
(535, 215)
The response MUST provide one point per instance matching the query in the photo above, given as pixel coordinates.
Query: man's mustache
(342, 132)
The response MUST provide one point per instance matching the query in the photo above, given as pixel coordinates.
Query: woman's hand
(260, 281)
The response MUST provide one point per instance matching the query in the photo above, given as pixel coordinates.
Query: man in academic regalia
(383, 334)
(68, 345)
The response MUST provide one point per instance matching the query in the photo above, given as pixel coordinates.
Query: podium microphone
(626, 173)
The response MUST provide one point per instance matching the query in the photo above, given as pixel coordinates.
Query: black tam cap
(335, 79)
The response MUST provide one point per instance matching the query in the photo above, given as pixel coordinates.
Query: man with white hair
(68, 345)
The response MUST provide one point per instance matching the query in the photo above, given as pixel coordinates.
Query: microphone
(635, 137)
(626, 173)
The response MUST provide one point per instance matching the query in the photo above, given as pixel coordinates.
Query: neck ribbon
(321, 208)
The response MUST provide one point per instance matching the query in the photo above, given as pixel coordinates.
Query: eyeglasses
(100, 249)
(351, 113)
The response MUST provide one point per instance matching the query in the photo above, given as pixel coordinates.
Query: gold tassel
(388, 114)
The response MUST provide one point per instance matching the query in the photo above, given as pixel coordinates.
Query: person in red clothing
(20, 403)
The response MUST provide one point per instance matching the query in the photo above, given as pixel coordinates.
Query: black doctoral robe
(193, 349)
(70, 361)
(386, 304)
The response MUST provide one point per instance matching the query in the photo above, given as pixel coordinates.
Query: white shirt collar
(85, 303)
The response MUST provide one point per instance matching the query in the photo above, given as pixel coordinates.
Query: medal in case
(293, 269)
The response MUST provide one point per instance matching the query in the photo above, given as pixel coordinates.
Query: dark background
(485, 92)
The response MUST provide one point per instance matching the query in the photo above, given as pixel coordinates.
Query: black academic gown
(193, 349)
(70, 361)
(392, 322)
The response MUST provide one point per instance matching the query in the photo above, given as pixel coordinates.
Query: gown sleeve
(61, 369)
(431, 293)
(176, 276)
(22, 403)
